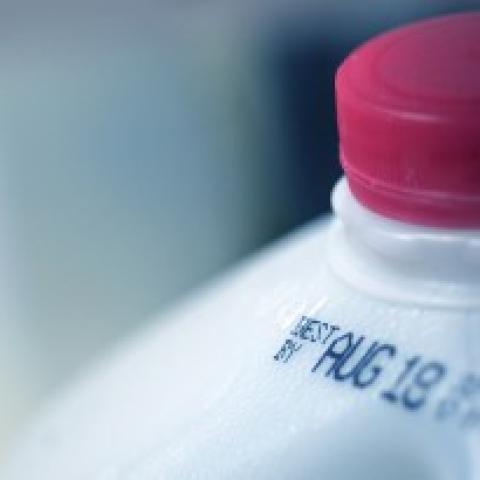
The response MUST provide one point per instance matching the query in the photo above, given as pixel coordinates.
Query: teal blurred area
(146, 146)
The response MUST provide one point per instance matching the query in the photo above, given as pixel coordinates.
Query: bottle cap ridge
(408, 108)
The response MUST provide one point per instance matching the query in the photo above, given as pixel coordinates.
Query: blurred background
(146, 146)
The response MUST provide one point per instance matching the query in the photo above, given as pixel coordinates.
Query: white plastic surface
(206, 392)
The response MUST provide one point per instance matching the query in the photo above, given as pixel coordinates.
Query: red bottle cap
(408, 106)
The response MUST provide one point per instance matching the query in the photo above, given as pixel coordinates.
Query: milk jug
(349, 349)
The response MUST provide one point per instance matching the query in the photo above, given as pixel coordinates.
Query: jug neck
(400, 261)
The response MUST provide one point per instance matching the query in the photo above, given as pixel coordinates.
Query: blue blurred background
(146, 146)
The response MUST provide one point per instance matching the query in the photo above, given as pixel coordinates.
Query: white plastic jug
(349, 349)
